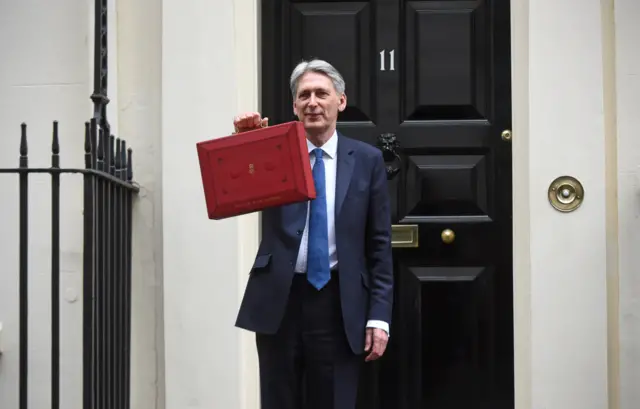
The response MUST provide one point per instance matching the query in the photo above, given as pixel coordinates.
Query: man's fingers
(367, 339)
(377, 346)
(255, 120)
(249, 121)
(373, 355)
(379, 342)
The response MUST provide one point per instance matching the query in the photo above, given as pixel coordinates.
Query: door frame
(549, 74)
(543, 349)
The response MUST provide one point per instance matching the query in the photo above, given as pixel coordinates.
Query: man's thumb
(367, 341)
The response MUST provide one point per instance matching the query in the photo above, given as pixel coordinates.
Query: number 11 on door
(392, 66)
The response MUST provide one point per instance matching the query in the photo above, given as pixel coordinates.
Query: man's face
(317, 103)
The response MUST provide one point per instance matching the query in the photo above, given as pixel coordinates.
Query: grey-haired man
(320, 292)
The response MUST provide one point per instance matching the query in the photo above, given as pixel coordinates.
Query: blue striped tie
(318, 273)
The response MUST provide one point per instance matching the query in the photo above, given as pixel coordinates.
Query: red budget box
(255, 170)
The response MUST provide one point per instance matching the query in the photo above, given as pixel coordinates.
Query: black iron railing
(109, 192)
(108, 199)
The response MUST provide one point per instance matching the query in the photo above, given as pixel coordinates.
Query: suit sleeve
(378, 246)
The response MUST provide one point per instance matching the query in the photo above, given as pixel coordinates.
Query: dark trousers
(308, 364)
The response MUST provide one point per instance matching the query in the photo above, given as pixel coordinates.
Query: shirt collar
(330, 148)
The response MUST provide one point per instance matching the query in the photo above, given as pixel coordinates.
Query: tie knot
(318, 153)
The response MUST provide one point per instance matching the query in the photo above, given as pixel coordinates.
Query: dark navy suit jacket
(363, 240)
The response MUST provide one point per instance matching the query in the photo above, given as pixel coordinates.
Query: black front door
(429, 83)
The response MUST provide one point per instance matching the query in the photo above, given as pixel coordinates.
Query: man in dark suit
(320, 293)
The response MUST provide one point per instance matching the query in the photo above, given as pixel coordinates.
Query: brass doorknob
(448, 236)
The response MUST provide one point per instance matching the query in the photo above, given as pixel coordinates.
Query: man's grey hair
(318, 66)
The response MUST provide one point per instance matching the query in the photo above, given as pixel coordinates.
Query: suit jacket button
(299, 232)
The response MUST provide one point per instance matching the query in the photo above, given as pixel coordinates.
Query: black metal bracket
(388, 144)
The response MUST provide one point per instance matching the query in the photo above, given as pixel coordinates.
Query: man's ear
(343, 103)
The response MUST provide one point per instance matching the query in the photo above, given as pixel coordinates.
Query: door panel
(439, 186)
(429, 83)
(445, 61)
(352, 28)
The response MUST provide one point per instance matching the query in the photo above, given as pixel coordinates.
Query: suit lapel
(346, 161)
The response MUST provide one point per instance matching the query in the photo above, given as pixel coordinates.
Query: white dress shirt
(330, 158)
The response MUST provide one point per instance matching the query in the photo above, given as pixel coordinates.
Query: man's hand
(375, 343)
(249, 121)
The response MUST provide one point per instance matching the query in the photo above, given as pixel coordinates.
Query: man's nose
(312, 100)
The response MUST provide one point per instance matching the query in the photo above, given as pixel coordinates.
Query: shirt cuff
(378, 324)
